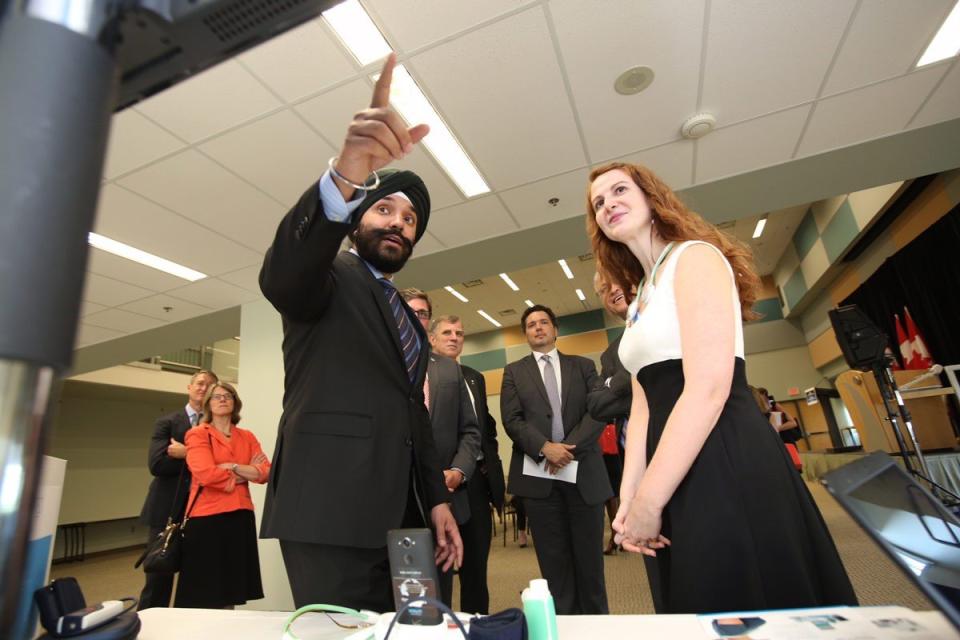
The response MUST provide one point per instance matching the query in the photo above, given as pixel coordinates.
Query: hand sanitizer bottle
(539, 611)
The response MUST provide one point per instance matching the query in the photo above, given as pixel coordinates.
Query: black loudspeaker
(862, 342)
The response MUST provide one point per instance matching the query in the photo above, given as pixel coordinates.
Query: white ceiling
(202, 173)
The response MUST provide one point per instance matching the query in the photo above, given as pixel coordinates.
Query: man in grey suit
(455, 431)
(168, 492)
(543, 403)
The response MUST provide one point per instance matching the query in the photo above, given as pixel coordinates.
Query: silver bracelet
(359, 187)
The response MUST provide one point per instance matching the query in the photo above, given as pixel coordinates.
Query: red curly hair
(672, 222)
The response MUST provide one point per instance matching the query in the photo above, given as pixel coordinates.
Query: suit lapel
(433, 378)
(533, 370)
(375, 289)
(566, 378)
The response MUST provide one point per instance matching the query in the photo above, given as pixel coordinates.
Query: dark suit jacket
(166, 472)
(455, 430)
(352, 423)
(491, 468)
(526, 414)
(608, 403)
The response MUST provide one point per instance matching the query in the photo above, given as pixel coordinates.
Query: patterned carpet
(876, 579)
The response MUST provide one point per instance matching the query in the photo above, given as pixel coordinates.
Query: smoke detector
(698, 126)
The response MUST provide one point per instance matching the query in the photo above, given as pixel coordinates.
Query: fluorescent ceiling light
(408, 99)
(947, 41)
(356, 30)
(510, 283)
(580, 295)
(130, 253)
(529, 303)
(566, 269)
(487, 316)
(761, 223)
(456, 294)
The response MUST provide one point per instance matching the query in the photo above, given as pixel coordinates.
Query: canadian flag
(920, 357)
(906, 347)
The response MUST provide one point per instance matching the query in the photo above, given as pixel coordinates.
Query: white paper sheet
(539, 470)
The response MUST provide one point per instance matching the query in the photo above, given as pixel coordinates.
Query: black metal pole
(57, 84)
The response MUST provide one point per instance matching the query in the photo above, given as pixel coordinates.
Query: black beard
(368, 246)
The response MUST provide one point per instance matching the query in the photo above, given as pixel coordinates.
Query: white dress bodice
(654, 334)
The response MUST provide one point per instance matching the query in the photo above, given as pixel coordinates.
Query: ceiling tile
(201, 190)
(121, 321)
(127, 217)
(530, 204)
(854, 117)
(210, 102)
(797, 41)
(944, 104)
(332, 112)
(427, 244)
(107, 264)
(248, 278)
(88, 334)
(599, 42)
(673, 163)
(109, 292)
(471, 221)
(279, 153)
(884, 40)
(87, 307)
(214, 294)
(410, 27)
(500, 90)
(302, 61)
(750, 145)
(157, 307)
(135, 141)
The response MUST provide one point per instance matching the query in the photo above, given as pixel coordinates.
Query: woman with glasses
(220, 566)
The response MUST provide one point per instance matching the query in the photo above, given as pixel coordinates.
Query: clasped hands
(558, 455)
(637, 527)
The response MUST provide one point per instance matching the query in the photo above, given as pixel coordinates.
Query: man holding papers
(557, 467)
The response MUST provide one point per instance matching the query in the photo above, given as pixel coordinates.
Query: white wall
(781, 369)
(261, 374)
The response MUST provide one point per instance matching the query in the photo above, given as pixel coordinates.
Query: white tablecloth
(207, 624)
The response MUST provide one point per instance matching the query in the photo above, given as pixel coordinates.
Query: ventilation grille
(507, 312)
(471, 283)
(587, 257)
(242, 16)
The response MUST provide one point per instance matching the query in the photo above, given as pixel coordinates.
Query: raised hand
(377, 135)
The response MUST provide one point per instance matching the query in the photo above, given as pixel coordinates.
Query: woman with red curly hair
(707, 489)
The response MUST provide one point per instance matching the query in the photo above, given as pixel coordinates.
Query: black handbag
(163, 553)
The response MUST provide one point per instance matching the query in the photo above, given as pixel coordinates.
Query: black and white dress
(745, 531)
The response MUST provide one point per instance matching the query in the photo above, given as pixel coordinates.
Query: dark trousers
(568, 538)
(476, 535)
(159, 587)
(352, 577)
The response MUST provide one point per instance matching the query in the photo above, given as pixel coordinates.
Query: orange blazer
(206, 448)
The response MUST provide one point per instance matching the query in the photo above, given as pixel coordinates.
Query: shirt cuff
(334, 206)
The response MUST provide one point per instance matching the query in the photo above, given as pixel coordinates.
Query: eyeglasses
(220, 397)
(423, 314)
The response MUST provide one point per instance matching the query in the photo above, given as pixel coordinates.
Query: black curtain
(925, 277)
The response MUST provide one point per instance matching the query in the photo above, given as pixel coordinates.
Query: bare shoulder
(699, 258)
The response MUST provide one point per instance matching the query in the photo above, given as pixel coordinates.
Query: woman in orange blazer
(220, 566)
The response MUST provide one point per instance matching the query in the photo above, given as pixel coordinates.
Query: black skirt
(220, 565)
(746, 532)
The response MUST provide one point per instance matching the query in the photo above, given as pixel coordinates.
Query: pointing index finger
(381, 90)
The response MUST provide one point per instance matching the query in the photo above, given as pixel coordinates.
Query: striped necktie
(408, 335)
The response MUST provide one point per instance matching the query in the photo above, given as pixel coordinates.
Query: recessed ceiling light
(510, 283)
(413, 105)
(356, 30)
(947, 41)
(633, 80)
(566, 269)
(456, 294)
(488, 317)
(758, 231)
(131, 253)
(529, 303)
(580, 295)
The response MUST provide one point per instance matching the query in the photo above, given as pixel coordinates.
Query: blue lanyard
(643, 295)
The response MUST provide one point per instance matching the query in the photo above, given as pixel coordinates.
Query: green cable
(326, 608)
